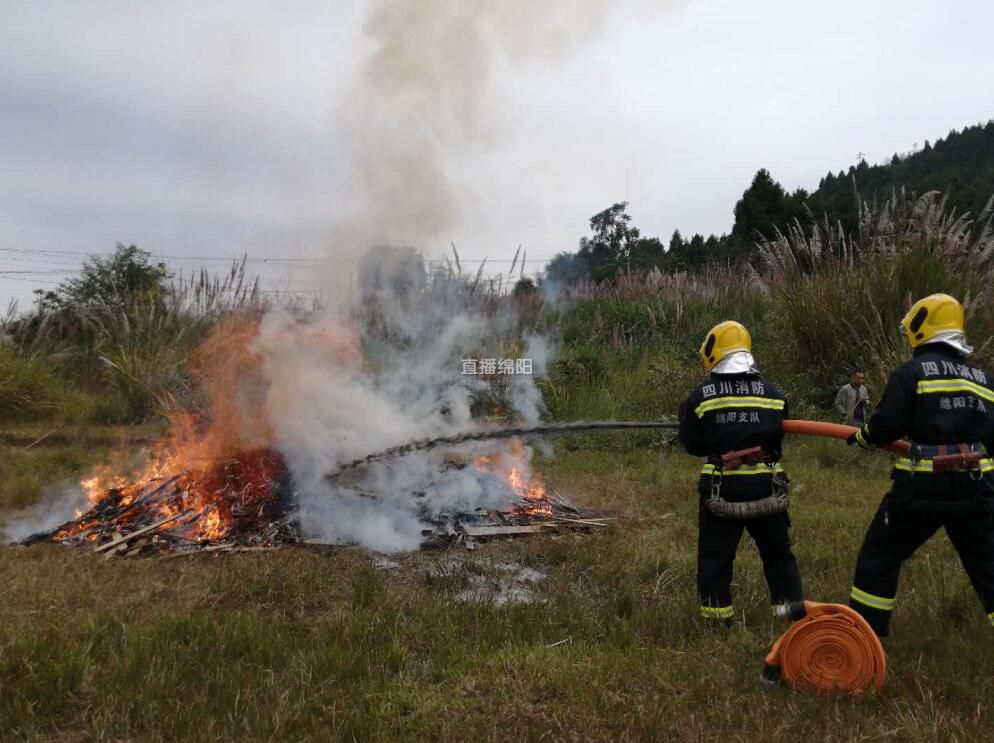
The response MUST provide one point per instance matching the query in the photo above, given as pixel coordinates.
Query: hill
(961, 166)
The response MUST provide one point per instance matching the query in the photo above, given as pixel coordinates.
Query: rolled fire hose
(830, 649)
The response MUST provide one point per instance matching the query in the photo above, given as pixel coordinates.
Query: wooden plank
(563, 501)
(119, 550)
(583, 522)
(144, 530)
(497, 531)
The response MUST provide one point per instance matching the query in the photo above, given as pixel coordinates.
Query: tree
(524, 288)
(608, 250)
(764, 206)
(117, 282)
(645, 254)
(566, 269)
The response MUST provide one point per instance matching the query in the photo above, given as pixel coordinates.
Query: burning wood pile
(245, 502)
(535, 508)
(554, 512)
(235, 504)
(218, 483)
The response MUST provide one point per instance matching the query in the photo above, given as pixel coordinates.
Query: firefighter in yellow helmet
(735, 418)
(944, 404)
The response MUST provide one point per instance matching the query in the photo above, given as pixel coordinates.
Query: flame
(215, 466)
(232, 497)
(514, 465)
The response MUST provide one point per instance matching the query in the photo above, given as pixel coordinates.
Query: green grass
(31, 388)
(309, 645)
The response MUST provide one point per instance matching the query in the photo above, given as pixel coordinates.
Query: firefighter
(945, 405)
(734, 418)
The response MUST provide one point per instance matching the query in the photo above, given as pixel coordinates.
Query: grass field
(308, 644)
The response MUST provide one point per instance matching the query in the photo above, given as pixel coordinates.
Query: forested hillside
(961, 166)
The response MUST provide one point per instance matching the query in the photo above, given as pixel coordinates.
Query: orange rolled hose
(837, 431)
(831, 649)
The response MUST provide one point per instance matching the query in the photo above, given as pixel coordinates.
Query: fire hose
(501, 433)
(830, 649)
(808, 428)
(837, 431)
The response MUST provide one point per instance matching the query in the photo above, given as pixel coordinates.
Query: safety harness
(752, 461)
(937, 459)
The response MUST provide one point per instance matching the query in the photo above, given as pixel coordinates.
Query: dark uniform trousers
(718, 540)
(895, 533)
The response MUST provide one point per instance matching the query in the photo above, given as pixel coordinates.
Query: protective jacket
(732, 412)
(937, 399)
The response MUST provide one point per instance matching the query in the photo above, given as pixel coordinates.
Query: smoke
(344, 384)
(421, 104)
(379, 370)
(57, 505)
(426, 99)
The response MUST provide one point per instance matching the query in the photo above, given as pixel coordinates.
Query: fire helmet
(723, 339)
(936, 313)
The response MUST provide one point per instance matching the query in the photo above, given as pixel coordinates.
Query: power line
(4, 271)
(33, 281)
(258, 259)
(39, 261)
(488, 260)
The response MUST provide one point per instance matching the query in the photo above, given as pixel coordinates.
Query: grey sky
(212, 129)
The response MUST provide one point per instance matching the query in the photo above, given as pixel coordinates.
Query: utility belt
(936, 459)
(745, 463)
(941, 458)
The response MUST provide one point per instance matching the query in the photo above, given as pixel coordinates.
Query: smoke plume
(342, 386)
(420, 104)
(425, 99)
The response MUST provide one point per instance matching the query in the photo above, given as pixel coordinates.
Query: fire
(217, 480)
(214, 472)
(232, 498)
(514, 465)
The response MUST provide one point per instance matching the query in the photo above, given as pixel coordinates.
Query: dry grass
(309, 645)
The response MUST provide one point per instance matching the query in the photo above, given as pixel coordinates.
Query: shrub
(30, 389)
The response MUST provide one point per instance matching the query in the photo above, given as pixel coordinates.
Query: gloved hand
(853, 439)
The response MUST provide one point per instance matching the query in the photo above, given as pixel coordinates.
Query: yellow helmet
(723, 339)
(936, 313)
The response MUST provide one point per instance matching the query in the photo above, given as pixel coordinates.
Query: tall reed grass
(819, 303)
(838, 299)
